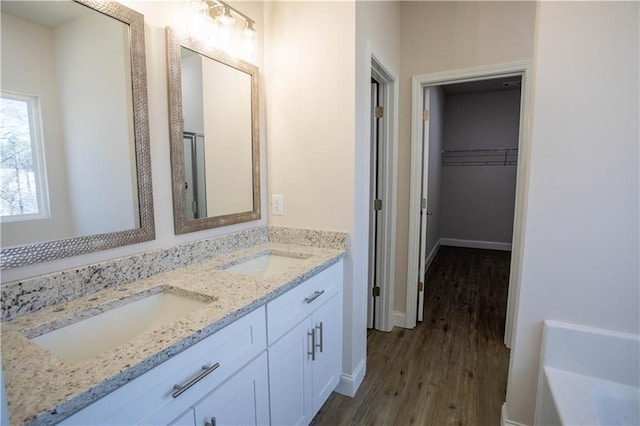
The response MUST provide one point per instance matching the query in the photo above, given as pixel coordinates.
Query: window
(23, 193)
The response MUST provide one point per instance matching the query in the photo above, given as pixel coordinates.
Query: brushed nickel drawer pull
(312, 333)
(195, 379)
(319, 328)
(314, 296)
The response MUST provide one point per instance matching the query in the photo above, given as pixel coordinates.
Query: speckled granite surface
(308, 237)
(21, 297)
(42, 388)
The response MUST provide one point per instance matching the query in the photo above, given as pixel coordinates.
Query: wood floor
(452, 368)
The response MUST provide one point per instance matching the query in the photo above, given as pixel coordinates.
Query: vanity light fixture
(223, 14)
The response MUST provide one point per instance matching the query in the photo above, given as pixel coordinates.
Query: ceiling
(50, 14)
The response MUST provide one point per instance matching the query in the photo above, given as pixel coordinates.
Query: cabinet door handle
(314, 296)
(312, 333)
(319, 327)
(195, 379)
(211, 423)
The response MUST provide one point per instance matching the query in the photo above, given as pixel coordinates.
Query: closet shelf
(480, 157)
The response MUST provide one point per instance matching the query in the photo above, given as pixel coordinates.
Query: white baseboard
(489, 245)
(398, 319)
(504, 421)
(432, 255)
(349, 383)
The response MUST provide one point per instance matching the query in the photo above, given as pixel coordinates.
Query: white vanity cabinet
(242, 400)
(305, 360)
(276, 365)
(153, 399)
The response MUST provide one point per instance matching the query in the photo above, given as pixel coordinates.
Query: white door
(375, 206)
(422, 252)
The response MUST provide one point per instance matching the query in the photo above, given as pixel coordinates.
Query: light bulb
(225, 17)
(198, 5)
(248, 31)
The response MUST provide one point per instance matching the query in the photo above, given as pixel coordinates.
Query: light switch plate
(277, 204)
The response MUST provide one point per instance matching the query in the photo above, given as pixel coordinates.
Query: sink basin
(90, 337)
(265, 265)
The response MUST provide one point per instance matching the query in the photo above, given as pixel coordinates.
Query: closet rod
(480, 163)
(448, 151)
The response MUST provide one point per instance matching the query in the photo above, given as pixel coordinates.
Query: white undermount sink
(265, 265)
(90, 337)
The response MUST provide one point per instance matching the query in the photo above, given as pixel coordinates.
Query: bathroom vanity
(261, 343)
(242, 328)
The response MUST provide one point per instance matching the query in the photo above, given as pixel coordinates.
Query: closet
(478, 158)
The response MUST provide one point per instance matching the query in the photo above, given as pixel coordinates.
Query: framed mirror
(215, 143)
(74, 133)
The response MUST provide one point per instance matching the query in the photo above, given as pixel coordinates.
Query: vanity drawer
(289, 309)
(231, 348)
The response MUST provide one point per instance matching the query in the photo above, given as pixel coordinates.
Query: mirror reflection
(215, 150)
(216, 109)
(68, 130)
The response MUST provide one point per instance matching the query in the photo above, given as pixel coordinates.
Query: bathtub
(588, 376)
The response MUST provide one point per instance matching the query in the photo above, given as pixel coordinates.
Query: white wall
(97, 125)
(377, 33)
(437, 114)
(28, 67)
(310, 102)
(443, 36)
(157, 15)
(581, 241)
(478, 201)
(310, 112)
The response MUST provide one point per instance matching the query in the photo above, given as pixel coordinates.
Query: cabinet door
(290, 377)
(168, 417)
(186, 419)
(327, 366)
(241, 400)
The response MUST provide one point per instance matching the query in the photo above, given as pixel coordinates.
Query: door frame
(521, 68)
(387, 256)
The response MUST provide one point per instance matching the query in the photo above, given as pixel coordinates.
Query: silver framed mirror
(214, 131)
(94, 188)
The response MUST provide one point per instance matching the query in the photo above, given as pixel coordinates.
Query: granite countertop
(42, 388)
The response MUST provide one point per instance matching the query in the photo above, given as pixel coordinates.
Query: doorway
(382, 197)
(419, 221)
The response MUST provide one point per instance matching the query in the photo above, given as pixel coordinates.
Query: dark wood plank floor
(452, 368)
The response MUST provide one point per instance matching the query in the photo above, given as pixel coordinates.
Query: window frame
(34, 112)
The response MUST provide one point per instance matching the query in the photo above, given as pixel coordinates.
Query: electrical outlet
(277, 204)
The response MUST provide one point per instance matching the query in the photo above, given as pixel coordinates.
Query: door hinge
(377, 205)
(420, 286)
(423, 203)
(425, 115)
(376, 292)
(378, 112)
